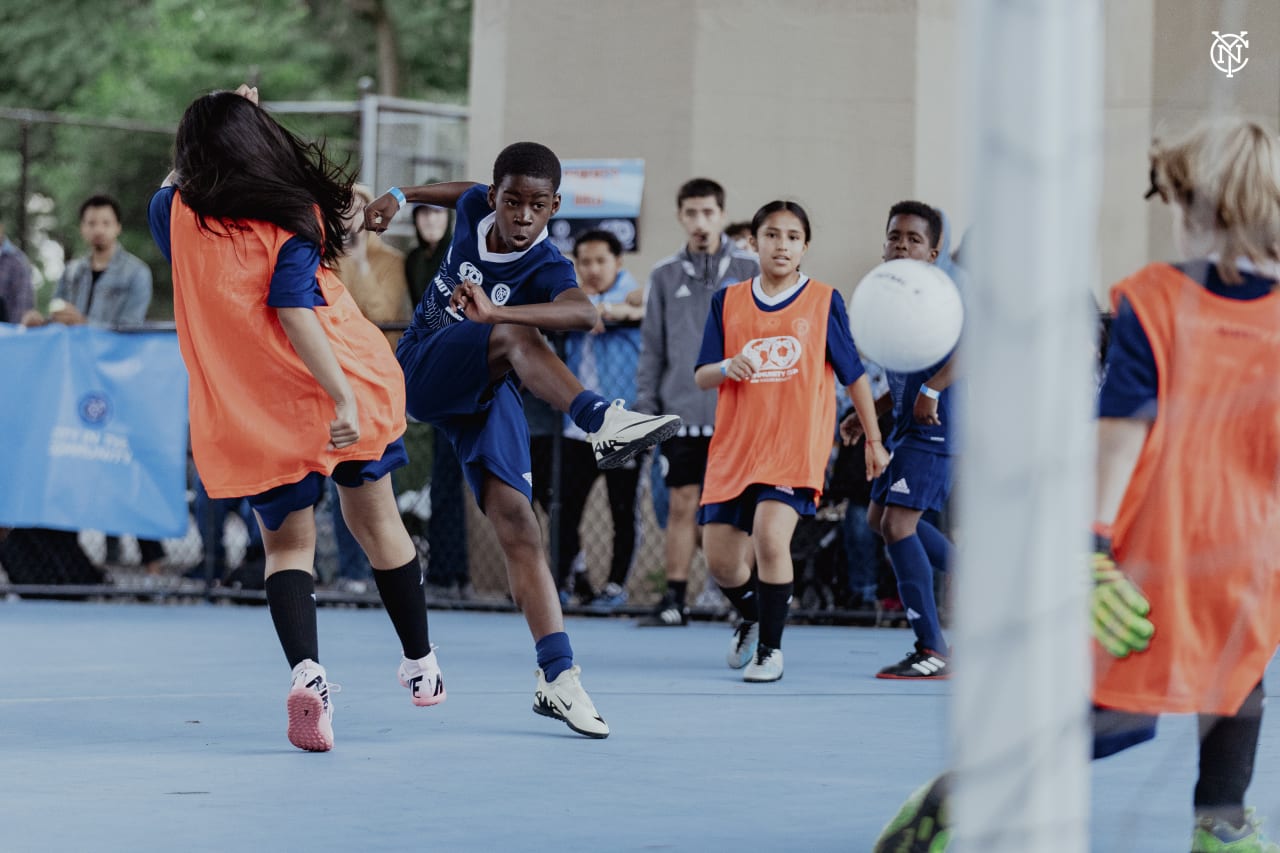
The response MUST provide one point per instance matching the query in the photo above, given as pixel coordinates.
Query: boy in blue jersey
(474, 334)
(918, 479)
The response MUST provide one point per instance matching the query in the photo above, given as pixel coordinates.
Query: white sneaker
(422, 678)
(765, 666)
(310, 711)
(742, 645)
(624, 434)
(564, 699)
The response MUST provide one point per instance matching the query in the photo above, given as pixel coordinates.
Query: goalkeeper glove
(1118, 610)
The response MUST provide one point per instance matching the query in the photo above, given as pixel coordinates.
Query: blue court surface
(161, 727)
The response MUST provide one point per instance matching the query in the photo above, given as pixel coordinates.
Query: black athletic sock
(291, 598)
(678, 590)
(403, 598)
(1228, 746)
(775, 601)
(744, 600)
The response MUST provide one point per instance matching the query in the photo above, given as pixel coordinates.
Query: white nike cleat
(310, 711)
(624, 434)
(422, 678)
(564, 699)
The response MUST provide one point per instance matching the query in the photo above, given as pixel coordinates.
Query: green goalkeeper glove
(1117, 607)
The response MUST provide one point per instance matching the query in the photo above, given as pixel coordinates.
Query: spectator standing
(677, 302)
(17, 296)
(108, 287)
(604, 360)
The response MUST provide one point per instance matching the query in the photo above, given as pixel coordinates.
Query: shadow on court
(134, 727)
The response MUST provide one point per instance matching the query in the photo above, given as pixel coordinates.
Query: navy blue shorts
(447, 384)
(741, 511)
(274, 505)
(915, 479)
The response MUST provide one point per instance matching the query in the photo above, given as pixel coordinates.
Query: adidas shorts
(915, 479)
(741, 511)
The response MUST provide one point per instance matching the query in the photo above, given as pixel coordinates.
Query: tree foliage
(145, 60)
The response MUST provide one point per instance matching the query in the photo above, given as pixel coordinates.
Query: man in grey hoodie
(677, 302)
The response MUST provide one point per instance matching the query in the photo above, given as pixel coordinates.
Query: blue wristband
(397, 194)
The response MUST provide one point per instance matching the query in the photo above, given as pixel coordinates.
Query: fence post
(24, 175)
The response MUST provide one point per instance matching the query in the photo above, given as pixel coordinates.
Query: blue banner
(94, 430)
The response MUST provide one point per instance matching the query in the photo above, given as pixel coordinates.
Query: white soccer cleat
(765, 666)
(624, 434)
(423, 680)
(742, 645)
(310, 711)
(564, 699)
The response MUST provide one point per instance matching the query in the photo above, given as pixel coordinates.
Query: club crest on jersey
(500, 294)
(468, 272)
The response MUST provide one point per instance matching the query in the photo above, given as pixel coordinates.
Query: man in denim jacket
(109, 286)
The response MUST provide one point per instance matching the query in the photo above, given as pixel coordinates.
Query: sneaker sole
(891, 677)
(305, 713)
(624, 454)
(555, 715)
(755, 679)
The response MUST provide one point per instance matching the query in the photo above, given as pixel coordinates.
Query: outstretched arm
(309, 341)
(378, 216)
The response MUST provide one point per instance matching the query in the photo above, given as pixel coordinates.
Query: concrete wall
(843, 105)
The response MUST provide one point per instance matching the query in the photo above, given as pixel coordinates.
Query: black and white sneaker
(624, 434)
(922, 663)
(667, 614)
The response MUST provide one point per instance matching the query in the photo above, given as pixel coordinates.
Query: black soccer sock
(405, 603)
(744, 600)
(292, 601)
(775, 602)
(678, 590)
(1228, 746)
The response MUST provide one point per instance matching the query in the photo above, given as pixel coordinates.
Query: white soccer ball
(906, 315)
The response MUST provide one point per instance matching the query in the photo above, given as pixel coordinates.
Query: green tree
(145, 60)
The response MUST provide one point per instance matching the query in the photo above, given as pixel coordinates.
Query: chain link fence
(599, 528)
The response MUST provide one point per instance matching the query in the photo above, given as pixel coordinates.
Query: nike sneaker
(423, 680)
(564, 699)
(310, 711)
(624, 434)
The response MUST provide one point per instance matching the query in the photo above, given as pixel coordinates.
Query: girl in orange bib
(774, 346)
(289, 383)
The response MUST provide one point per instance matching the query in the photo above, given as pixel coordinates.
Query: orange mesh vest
(1199, 525)
(259, 419)
(777, 427)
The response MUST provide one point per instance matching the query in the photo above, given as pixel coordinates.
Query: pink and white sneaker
(310, 712)
(423, 680)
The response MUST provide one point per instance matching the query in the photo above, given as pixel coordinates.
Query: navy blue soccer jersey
(538, 274)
